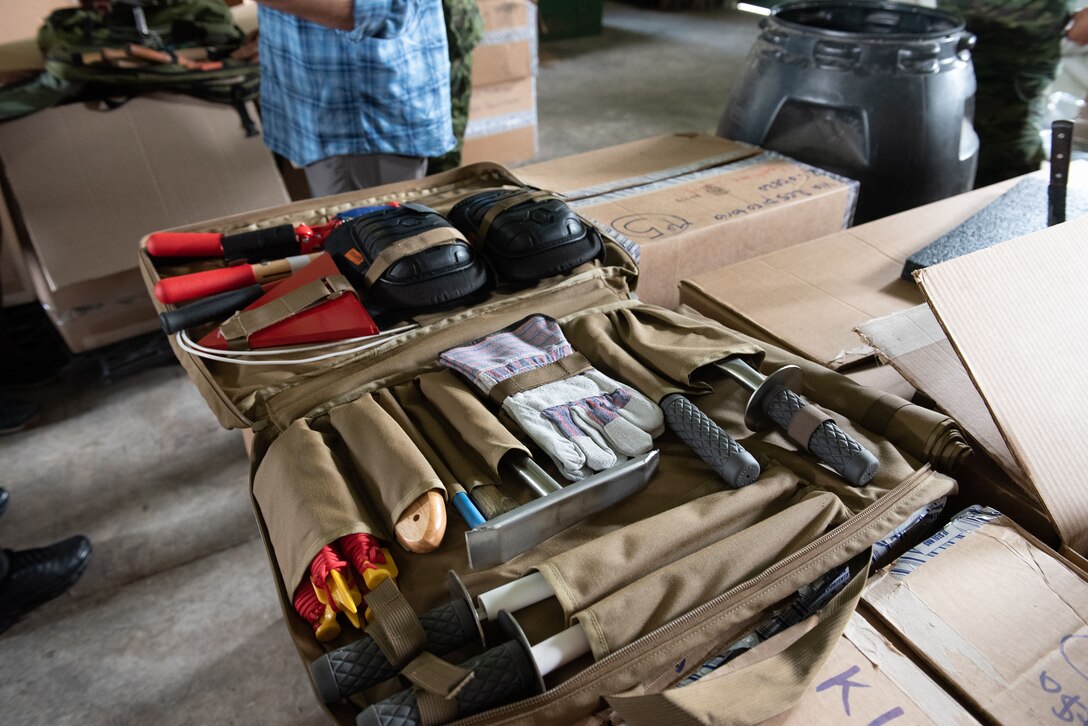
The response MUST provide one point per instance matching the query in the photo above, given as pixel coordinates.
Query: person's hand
(1077, 30)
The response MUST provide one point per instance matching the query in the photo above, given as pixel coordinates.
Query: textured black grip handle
(828, 443)
(360, 665)
(712, 443)
(211, 308)
(499, 676)
(268, 243)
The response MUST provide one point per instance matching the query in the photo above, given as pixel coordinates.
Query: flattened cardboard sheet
(810, 297)
(88, 183)
(1001, 619)
(913, 343)
(633, 164)
(1017, 316)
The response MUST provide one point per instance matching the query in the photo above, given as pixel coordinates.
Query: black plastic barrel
(880, 92)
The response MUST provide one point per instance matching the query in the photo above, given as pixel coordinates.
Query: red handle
(185, 244)
(178, 289)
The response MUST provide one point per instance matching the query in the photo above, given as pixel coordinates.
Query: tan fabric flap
(480, 429)
(655, 350)
(668, 592)
(584, 575)
(307, 501)
(391, 469)
(755, 693)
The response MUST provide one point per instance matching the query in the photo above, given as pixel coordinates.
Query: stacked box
(996, 615)
(502, 122)
(693, 202)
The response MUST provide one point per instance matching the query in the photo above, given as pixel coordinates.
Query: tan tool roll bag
(660, 582)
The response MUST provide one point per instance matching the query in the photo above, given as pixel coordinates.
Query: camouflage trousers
(460, 94)
(1013, 72)
(464, 28)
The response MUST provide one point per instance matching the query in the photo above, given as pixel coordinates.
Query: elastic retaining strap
(244, 323)
(805, 422)
(410, 246)
(502, 205)
(559, 370)
(396, 629)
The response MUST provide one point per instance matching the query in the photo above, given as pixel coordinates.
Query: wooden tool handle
(150, 54)
(423, 524)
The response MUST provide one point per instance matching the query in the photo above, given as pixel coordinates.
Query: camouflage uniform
(1015, 60)
(464, 28)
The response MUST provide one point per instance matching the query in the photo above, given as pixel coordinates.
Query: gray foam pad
(1019, 211)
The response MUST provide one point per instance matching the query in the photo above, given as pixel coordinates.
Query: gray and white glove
(579, 416)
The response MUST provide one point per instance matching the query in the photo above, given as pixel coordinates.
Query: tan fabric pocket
(479, 428)
(454, 461)
(392, 470)
(668, 592)
(585, 575)
(306, 500)
(764, 687)
(655, 350)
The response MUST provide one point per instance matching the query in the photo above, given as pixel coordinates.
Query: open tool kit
(495, 487)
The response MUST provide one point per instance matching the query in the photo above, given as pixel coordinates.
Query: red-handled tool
(173, 290)
(253, 246)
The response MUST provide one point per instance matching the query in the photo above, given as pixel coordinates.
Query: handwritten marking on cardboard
(1071, 706)
(843, 681)
(650, 226)
(1074, 649)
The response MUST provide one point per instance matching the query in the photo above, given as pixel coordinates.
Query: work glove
(580, 417)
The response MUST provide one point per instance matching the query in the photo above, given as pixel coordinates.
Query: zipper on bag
(780, 570)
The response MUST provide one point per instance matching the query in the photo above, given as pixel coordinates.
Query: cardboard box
(1015, 314)
(502, 114)
(694, 203)
(867, 680)
(508, 48)
(502, 122)
(810, 297)
(499, 62)
(85, 185)
(503, 147)
(22, 19)
(1000, 617)
(502, 101)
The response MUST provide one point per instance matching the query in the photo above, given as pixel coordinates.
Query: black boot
(16, 414)
(38, 575)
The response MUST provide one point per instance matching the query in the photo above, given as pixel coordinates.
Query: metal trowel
(556, 508)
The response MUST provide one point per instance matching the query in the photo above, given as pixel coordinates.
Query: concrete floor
(176, 621)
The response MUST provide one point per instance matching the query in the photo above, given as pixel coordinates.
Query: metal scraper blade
(499, 539)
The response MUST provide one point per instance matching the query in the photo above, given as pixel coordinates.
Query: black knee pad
(532, 239)
(408, 259)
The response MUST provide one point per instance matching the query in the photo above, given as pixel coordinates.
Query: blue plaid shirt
(383, 87)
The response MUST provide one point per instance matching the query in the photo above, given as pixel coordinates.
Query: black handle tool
(773, 400)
